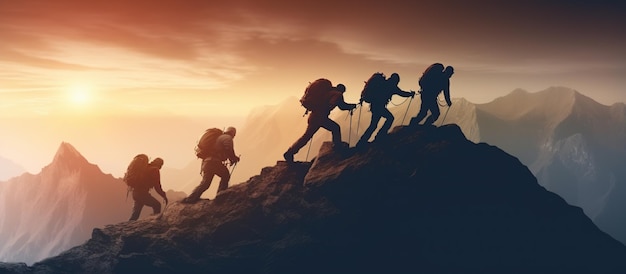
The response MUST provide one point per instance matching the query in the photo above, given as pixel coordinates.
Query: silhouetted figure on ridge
(141, 192)
(379, 95)
(320, 98)
(219, 150)
(434, 80)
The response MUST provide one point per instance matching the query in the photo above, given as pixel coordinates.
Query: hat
(231, 130)
(157, 161)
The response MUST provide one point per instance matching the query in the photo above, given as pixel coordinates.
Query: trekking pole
(358, 123)
(307, 153)
(234, 165)
(350, 132)
(444, 117)
(407, 110)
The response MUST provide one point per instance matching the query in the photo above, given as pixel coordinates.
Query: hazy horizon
(89, 136)
(171, 137)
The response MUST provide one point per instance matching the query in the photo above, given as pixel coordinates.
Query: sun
(79, 94)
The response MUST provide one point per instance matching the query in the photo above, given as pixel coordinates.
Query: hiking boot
(288, 157)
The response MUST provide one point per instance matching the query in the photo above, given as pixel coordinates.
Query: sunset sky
(76, 58)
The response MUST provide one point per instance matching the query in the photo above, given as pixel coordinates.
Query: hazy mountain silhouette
(46, 213)
(428, 201)
(9, 169)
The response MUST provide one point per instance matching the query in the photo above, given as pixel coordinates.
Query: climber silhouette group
(321, 97)
(216, 147)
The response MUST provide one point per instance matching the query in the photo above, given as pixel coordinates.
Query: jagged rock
(13, 268)
(426, 200)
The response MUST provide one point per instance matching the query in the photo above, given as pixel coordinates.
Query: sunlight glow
(80, 94)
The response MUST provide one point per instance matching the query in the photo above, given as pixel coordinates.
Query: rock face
(425, 201)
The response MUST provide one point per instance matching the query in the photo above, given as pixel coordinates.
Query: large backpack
(375, 88)
(316, 94)
(206, 144)
(135, 175)
(431, 78)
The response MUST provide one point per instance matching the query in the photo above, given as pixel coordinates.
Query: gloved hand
(234, 160)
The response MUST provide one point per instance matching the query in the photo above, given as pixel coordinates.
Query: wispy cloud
(230, 45)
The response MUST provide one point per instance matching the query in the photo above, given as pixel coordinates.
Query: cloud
(234, 45)
(18, 57)
(394, 31)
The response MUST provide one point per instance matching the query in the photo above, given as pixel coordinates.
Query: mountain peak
(67, 154)
(519, 91)
(555, 102)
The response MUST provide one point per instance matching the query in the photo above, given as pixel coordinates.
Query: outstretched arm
(398, 91)
(157, 186)
(345, 106)
(341, 104)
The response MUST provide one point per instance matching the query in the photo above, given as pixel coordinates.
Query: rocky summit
(423, 200)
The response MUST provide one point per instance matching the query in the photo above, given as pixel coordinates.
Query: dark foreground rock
(425, 201)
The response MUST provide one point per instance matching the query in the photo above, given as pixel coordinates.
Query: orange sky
(73, 58)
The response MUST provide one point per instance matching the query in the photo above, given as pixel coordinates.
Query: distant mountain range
(9, 169)
(426, 201)
(46, 213)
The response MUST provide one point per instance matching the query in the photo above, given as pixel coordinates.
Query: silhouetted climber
(320, 98)
(141, 192)
(378, 93)
(214, 163)
(433, 81)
